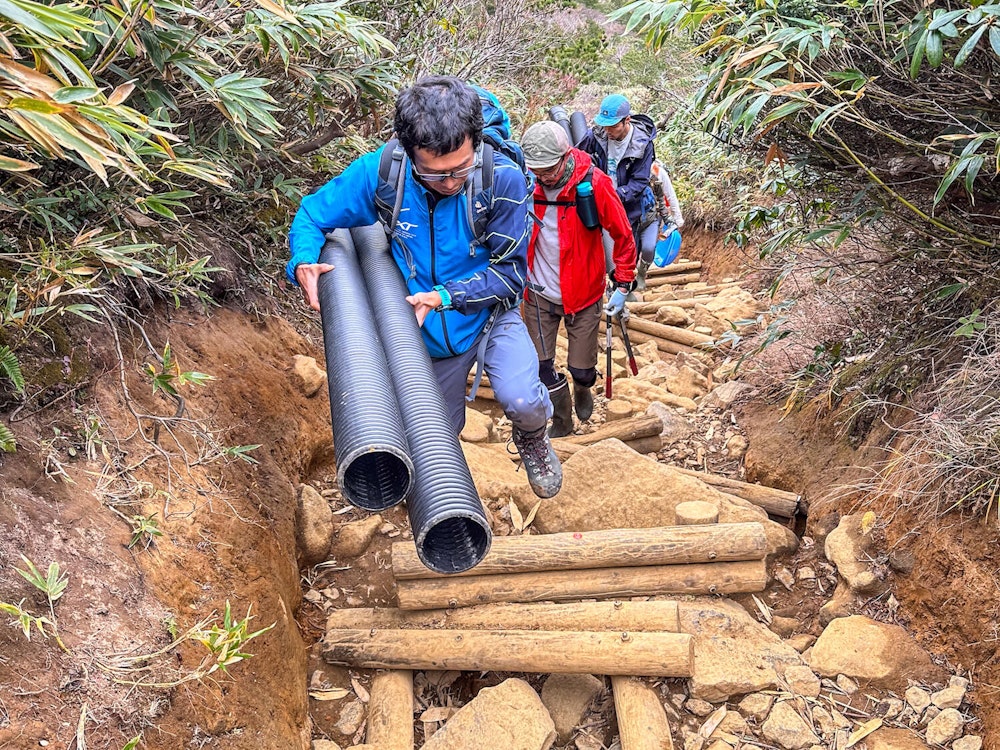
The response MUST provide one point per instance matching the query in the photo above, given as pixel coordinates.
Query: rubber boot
(540, 461)
(583, 401)
(562, 411)
(640, 275)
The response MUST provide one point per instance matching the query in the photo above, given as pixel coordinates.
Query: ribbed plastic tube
(449, 525)
(577, 127)
(559, 114)
(374, 468)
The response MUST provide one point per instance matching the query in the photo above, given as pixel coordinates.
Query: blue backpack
(496, 137)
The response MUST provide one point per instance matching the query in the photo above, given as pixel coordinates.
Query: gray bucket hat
(544, 144)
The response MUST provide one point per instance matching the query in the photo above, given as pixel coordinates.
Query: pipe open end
(376, 480)
(454, 544)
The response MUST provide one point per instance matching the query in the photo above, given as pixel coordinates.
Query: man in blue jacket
(464, 289)
(621, 145)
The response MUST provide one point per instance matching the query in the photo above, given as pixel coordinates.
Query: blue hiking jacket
(633, 168)
(434, 243)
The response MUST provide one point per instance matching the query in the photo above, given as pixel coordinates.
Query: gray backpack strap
(389, 190)
(481, 181)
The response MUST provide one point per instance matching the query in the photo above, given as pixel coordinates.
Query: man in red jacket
(566, 265)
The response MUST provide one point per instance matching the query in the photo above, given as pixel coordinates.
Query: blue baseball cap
(614, 109)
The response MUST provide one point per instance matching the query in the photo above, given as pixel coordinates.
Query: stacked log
(615, 638)
(717, 558)
(776, 502)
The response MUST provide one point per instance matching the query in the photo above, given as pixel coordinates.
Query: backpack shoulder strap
(391, 180)
(481, 181)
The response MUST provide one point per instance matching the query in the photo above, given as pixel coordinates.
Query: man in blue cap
(621, 145)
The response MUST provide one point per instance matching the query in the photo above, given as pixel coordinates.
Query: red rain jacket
(581, 253)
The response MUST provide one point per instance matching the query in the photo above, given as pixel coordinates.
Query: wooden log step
(642, 722)
(775, 502)
(637, 337)
(565, 585)
(673, 278)
(632, 428)
(651, 444)
(610, 548)
(654, 616)
(670, 333)
(680, 266)
(390, 710)
(653, 306)
(549, 652)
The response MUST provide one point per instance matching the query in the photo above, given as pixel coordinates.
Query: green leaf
(934, 49)
(10, 367)
(41, 106)
(969, 46)
(995, 40)
(69, 94)
(950, 290)
(7, 442)
(918, 55)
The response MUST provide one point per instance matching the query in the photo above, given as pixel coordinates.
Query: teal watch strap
(445, 297)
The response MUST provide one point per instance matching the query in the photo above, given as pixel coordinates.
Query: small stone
(699, 707)
(845, 683)
(719, 745)
(783, 626)
(567, 698)
(354, 601)
(353, 538)
(902, 561)
(805, 573)
(889, 708)
(309, 376)
(732, 723)
(351, 718)
(736, 447)
(756, 706)
(802, 681)
(956, 681)
(386, 528)
(693, 741)
(929, 714)
(784, 577)
(325, 745)
(787, 729)
(968, 742)
(801, 642)
(950, 697)
(918, 698)
(945, 727)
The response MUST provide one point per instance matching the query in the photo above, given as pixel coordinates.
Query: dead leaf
(765, 611)
(713, 721)
(437, 713)
(862, 731)
(359, 690)
(333, 694)
(139, 219)
(120, 94)
(515, 516)
(531, 514)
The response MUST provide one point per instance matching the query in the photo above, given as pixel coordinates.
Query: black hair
(438, 113)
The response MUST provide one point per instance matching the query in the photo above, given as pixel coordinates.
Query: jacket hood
(643, 131)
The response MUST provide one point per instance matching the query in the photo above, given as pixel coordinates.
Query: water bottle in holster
(586, 205)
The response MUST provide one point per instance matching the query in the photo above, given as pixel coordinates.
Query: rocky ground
(814, 661)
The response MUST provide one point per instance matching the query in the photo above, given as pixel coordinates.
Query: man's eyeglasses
(550, 171)
(457, 174)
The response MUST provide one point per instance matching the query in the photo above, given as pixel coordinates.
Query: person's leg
(542, 319)
(647, 247)
(512, 366)
(452, 376)
(581, 360)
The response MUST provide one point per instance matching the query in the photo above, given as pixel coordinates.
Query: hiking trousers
(542, 317)
(511, 364)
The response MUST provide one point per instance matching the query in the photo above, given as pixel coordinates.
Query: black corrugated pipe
(577, 127)
(449, 525)
(374, 468)
(559, 114)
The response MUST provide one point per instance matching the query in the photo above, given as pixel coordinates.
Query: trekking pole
(622, 320)
(607, 364)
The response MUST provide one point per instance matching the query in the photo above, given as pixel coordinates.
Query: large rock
(728, 306)
(881, 653)
(641, 394)
(567, 698)
(642, 493)
(669, 315)
(787, 729)
(848, 547)
(675, 427)
(315, 525)
(509, 716)
(894, 739)
(353, 538)
(733, 653)
(686, 382)
(725, 395)
(496, 477)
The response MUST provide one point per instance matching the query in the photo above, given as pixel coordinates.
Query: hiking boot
(562, 410)
(583, 401)
(640, 275)
(540, 461)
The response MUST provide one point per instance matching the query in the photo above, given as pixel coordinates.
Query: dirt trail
(228, 533)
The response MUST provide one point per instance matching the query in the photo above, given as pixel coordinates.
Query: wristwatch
(445, 298)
